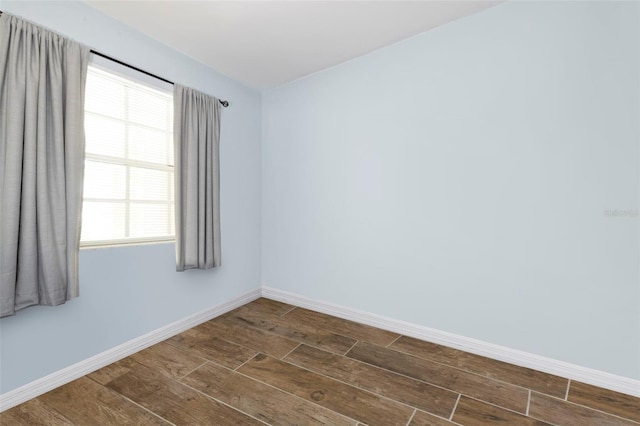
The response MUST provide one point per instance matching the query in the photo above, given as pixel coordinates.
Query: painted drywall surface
(468, 179)
(127, 292)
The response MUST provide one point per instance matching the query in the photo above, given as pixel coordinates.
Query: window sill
(93, 245)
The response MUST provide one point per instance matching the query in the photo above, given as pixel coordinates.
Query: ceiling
(264, 44)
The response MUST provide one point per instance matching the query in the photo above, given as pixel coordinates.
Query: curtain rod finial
(224, 103)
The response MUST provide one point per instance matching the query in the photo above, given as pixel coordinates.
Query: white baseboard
(501, 353)
(75, 371)
(490, 350)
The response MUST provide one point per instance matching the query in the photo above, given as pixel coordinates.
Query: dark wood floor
(271, 363)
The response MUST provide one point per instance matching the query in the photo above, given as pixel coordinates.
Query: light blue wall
(456, 180)
(459, 180)
(127, 292)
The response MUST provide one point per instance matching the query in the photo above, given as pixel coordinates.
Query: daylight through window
(128, 183)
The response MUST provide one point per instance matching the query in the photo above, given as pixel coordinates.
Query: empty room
(319, 212)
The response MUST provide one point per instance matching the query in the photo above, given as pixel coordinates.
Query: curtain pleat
(42, 82)
(197, 141)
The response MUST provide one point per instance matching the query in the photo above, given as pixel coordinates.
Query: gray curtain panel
(42, 82)
(197, 140)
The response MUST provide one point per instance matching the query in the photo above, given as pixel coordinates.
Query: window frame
(136, 77)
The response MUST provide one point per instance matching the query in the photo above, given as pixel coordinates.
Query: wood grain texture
(174, 401)
(162, 358)
(339, 397)
(521, 376)
(258, 340)
(33, 413)
(111, 371)
(267, 308)
(472, 412)
(499, 393)
(218, 374)
(382, 382)
(425, 419)
(341, 326)
(168, 360)
(204, 343)
(605, 400)
(261, 401)
(302, 333)
(557, 411)
(86, 402)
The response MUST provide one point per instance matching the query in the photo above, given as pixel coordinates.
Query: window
(128, 184)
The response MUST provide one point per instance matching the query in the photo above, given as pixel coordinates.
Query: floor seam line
(415, 410)
(349, 350)
(290, 310)
(289, 353)
(141, 406)
(455, 407)
(285, 391)
(185, 375)
(445, 388)
(491, 379)
(394, 340)
(224, 403)
(351, 385)
(606, 413)
(236, 369)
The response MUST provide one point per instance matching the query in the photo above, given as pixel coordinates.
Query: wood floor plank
(168, 359)
(218, 374)
(345, 399)
(605, 400)
(520, 376)
(162, 357)
(302, 333)
(266, 307)
(174, 401)
(341, 326)
(413, 392)
(259, 340)
(86, 402)
(492, 391)
(204, 343)
(263, 402)
(111, 371)
(425, 419)
(472, 412)
(33, 413)
(557, 411)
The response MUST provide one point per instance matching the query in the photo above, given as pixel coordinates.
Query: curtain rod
(95, 52)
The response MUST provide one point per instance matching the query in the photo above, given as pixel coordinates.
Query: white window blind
(128, 183)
